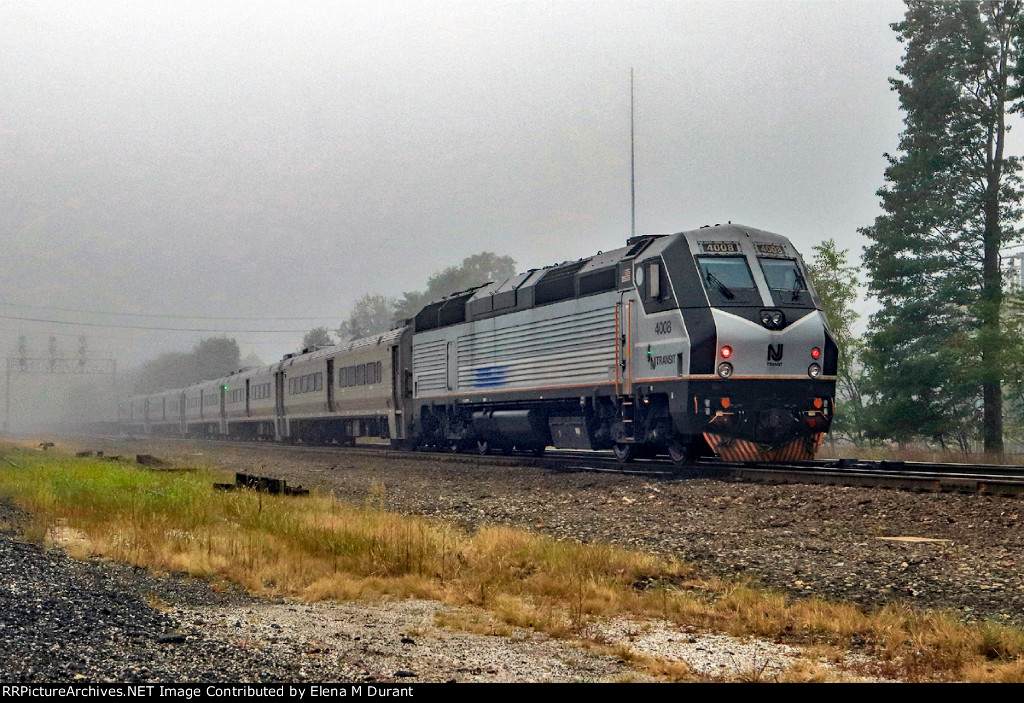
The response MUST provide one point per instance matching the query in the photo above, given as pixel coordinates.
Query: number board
(720, 247)
(770, 249)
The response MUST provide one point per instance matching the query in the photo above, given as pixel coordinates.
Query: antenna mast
(632, 159)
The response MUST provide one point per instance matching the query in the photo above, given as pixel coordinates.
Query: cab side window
(650, 279)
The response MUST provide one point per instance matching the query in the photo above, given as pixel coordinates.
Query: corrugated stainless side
(136, 409)
(429, 367)
(570, 349)
(164, 408)
(192, 404)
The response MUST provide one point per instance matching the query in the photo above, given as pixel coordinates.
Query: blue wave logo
(490, 376)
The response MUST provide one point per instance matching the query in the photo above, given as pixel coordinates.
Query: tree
(373, 314)
(170, 370)
(951, 198)
(475, 270)
(370, 315)
(210, 358)
(836, 283)
(215, 357)
(317, 337)
(1014, 360)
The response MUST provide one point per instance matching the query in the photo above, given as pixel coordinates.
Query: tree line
(374, 313)
(942, 360)
(211, 358)
(215, 357)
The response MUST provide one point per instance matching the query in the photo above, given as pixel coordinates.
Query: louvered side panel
(568, 350)
(429, 367)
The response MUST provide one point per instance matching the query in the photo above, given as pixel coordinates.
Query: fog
(276, 161)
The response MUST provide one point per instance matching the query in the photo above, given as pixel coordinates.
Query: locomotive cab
(755, 361)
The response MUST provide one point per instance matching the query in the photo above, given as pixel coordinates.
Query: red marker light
(726, 352)
(815, 353)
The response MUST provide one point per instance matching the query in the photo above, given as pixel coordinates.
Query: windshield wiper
(800, 282)
(722, 288)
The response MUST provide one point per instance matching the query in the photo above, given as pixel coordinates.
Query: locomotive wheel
(677, 453)
(623, 452)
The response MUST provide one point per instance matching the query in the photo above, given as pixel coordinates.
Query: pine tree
(951, 199)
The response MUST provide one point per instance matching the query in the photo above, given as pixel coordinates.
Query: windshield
(786, 281)
(727, 280)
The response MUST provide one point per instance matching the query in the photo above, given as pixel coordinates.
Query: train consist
(710, 341)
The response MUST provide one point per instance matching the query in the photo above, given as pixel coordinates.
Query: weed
(755, 673)
(803, 671)
(673, 671)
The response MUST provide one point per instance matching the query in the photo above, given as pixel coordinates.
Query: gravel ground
(831, 541)
(64, 619)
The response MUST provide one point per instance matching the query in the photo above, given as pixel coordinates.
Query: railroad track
(992, 479)
(970, 478)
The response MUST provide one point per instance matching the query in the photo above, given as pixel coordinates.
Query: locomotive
(705, 342)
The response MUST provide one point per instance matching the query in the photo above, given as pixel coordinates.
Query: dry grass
(673, 671)
(317, 548)
(803, 671)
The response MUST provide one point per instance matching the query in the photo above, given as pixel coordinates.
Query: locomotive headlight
(813, 370)
(725, 369)
(776, 318)
(766, 319)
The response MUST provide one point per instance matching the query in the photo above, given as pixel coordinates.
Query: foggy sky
(282, 159)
